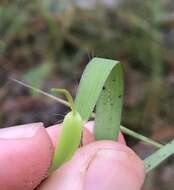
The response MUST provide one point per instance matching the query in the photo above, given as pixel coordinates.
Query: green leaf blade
(102, 85)
(159, 156)
(109, 106)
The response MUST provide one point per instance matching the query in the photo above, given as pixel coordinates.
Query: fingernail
(111, 169)
(21, 131)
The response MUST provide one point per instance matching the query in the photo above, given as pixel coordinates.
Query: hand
(26, 153)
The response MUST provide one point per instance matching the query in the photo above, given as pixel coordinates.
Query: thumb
(26, 153)
(100, 165)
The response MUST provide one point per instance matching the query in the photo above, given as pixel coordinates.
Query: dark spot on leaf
(120, 96)
(104, 88)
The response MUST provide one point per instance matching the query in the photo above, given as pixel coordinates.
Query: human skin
(27, 151)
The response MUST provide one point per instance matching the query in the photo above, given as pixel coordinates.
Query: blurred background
(48, 44)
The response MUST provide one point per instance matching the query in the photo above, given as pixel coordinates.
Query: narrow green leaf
(159, 156)
(141, 137)
(102, 85)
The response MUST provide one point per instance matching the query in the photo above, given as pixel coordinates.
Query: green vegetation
(48, 44)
